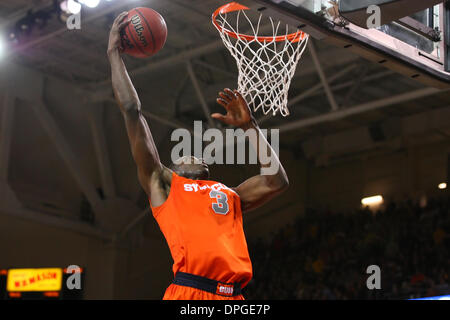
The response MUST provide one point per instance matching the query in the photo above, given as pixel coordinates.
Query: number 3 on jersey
(221, 206)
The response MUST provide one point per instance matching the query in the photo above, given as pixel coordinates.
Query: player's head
(191, 167)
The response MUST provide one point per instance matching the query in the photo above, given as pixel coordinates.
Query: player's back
(202, 223)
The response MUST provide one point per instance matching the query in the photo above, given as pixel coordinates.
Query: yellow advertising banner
(45, 279)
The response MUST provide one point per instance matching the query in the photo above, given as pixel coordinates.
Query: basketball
(146, 33)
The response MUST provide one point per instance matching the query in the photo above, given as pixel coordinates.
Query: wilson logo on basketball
(225, 289)
(137, 24)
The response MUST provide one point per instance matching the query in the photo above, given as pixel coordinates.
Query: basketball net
(266, 64)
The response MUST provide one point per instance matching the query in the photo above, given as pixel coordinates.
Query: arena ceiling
(193, 54)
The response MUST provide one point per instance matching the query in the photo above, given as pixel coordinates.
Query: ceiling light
(372, 201)
(90, 3)
(70, 6)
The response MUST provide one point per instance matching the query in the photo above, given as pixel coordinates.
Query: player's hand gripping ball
(144, 34)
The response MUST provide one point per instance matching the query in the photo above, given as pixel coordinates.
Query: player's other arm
(257, 190)
(153, 176)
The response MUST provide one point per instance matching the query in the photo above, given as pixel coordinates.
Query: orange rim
(234, 6)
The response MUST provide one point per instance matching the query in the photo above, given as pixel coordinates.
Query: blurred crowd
(324, 255)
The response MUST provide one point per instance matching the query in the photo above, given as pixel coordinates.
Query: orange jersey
(202, 223)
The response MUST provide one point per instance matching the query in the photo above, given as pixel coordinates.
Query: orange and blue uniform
(202, 223)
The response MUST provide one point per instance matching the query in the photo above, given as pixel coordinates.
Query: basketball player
(200, 219)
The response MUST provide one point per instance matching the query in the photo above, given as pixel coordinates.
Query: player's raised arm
(257, 190)
(152, 174)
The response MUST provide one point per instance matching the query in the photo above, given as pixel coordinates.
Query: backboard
(417, 45)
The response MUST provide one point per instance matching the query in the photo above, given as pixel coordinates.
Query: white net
(266, 64)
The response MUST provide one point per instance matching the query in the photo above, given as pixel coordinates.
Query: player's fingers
(241, 98)
(219, 117)
(120, 17)
(227, 95)
(239, 95)
(230, 93)
(222, 102)
(224, 96)
(123, 24)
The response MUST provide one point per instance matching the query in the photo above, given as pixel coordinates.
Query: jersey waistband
(206, 284)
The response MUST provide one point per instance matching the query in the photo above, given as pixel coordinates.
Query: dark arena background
(366, 148)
